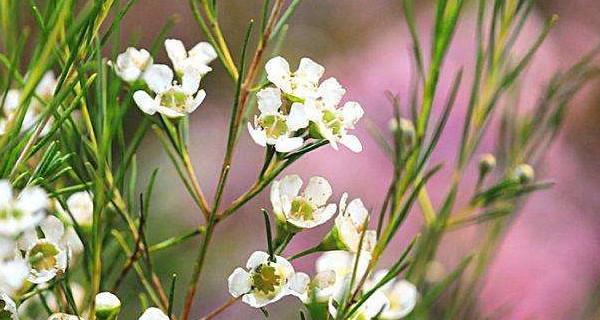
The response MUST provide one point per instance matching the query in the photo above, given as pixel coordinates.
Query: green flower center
(267, 279)
(10, 213)
(302, 209)
(274, 125)
(43, 256)
(333, 122)
(174, 99)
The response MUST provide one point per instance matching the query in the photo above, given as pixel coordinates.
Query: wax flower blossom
(13, 270)
(131, 64)
(349, 226)
(320, 101)
(171, 98)
(306, 210)
(153, 313)
(197, 58)
(47, 257)
(266, 281)
(44, 91)
(23, 212)
(81, 206)
(274, 126)
(370, 309)
(63, 316)
(334, 271)
(8, 308)
(401, 295)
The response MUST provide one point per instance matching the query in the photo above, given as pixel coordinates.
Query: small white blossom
(334, 271)
(132, 63)
(107, 305)
(197, 58)
(44, 92)
(273, 126)
(266, 281)
(81, 206)
(171, 98)
(13, 270)
(370, 309)
(47, 256)
(153, 313)
(306, 210)
(302, 84)
(23, 212)
(8, 308)
(401, 294)
(333, 124)
(350, 225)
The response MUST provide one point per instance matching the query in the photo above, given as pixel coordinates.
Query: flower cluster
(34, 247)
(42, 95)
(174, 93)
(297, 108)
(266, 279)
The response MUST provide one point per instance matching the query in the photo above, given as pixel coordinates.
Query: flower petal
(310, 71)
(257, 135)
(318, 191)
(278, 72)
(6, 193)
(286, 144)
(158, 77)
(145, 102)
(357, 211)
(52, 228)
(298, 285)
(352, 112)
(197, 101)
(168, 112)
(203, 52)
(256, 259)
(33, 199)
(190, 81)
(290, 186)
(297, 119)
(331, 93)
(351, 142)
(269, 100)
(153, 314)
(239, 282)
(175, 50)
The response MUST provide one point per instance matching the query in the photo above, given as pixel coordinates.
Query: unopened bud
(524, 173)
(108, 306)
(487, 163)
(406, 131)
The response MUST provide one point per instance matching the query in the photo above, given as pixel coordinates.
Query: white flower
(197, 58)
(401, 294)
(44, 92)
(48, 256)
(132, 63)
(107, 305)
(171, 99)
(274, 127)
(81, 206)
(368, 310)
(13, 270)
(266, 281)
(23, 212)
(334, 271)
(153, 313)
(302, 84)
(333, 124)
(350, 225)
(306, 210)
(8, 308)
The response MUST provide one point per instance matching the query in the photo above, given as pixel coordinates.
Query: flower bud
(524, 173)
(406, 131)
(108, 306)
(487, 163)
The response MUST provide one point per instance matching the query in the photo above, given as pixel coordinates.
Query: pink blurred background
(548, 266)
